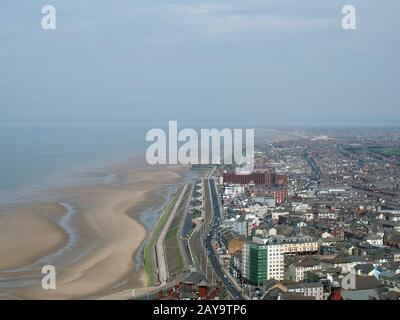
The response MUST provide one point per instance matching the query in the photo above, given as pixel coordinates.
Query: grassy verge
(382, 150)
(149, 248)
(386, 151)
(175, 261)
(173, 254)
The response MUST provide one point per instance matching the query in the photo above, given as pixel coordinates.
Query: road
(187, 227)
(316, 175)
(213, 233)
(160, 253)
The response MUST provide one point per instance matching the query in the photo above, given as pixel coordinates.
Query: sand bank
(27, 234)
(102, 261)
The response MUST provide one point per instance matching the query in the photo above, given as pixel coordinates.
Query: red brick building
(257, 178)
(261, 183)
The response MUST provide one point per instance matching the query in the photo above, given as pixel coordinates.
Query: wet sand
(27, 234)
(108, 235)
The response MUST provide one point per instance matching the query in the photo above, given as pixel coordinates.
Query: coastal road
(160, 253)
(316, 172)
(213, 233)
(187, 227)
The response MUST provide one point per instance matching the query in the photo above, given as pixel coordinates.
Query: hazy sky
(249, 61)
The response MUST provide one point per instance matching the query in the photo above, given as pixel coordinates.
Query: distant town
(318, 219)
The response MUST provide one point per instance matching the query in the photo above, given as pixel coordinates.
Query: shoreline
(138, 255)
(110, 236)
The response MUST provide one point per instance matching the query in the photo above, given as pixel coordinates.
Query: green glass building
(256, 263)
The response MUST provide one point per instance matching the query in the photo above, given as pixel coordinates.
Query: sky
(230, 61)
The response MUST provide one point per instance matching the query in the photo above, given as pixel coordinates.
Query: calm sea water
(44, 155)
(34, 154)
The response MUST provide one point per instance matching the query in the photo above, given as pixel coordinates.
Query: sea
(38, 157)
(45, 155)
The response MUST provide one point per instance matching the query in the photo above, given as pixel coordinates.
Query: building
(396, 255)
(374, 240)
(325, 214)
(278, 213)
(265, 231)
(262, 260)
(267, 200)
(312, 289)
(280, 194)
(337, 232)
(260, 184)
(232, 241)
(233, 189)
(300, 245)
(238, 225)
(295, 271)
(345, 263)
(257, 209)
(364, 270)
(241, 224)
(366, 288)
(254, 263)
(258, 178)
(235, 265)
(392, 240)
(390, 278)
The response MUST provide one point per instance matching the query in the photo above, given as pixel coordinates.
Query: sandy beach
(26, 234)
(109, 233)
